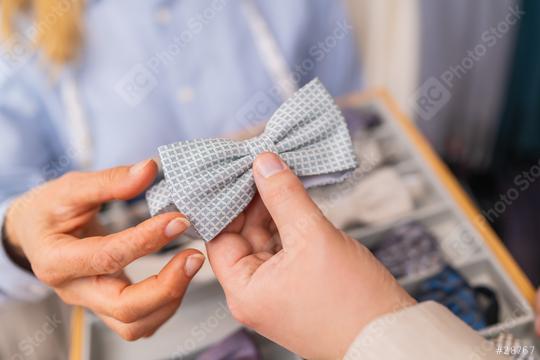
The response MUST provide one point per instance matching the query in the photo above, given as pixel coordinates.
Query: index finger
(233, 260)
(246, 243)
(72, 258)
(228, 248)
(118, 298)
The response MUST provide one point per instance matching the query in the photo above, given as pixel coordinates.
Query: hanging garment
(387, 32)
(518, 146)
(518, 223)
(466, 52)
(519, 135)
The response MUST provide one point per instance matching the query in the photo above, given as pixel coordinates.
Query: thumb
(293, 211)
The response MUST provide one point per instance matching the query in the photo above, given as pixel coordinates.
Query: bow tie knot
(260, 144)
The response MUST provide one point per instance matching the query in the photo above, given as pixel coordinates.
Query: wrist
(391, 300)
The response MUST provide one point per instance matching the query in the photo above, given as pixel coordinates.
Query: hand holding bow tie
(211, 181)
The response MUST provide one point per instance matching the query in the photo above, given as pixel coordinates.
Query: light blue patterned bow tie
(211, 181)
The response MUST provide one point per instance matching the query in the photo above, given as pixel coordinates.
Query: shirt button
(185, 94)
(163, 16)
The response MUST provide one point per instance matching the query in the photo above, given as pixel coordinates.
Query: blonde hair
(56, 25)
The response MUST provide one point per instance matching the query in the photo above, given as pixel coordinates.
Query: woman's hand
(311, 288)
(48, 226)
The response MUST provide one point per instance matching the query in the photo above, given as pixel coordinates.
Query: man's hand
(48, 227)
(289, 274)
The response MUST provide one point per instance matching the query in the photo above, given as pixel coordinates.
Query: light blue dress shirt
(153, 72)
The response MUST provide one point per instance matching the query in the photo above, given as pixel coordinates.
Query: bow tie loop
(260, 144)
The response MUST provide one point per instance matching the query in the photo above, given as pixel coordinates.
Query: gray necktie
(211, 181)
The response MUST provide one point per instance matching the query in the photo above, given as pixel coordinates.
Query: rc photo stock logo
(136, 84)
(262, 104)
(435, 92)
(15, 52)
(142, 78)
(430, 98)
(259, 108)
(19, 48)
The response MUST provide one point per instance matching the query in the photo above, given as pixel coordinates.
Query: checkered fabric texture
(211, 181)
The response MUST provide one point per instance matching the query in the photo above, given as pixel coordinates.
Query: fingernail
(176, 226)
(138, 167)
(269, 164)
(193, 264)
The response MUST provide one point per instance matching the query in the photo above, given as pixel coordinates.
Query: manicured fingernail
(269, 164)
(193, 264)
(176, 226)
(138, 167)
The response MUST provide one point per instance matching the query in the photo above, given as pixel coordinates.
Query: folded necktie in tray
(211, 181)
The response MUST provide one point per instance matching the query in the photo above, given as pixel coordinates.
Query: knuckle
(109, 177)
(106, 261)
(140, 236)
(124, 313)
(69, 183)
(174, 292)
(45, 273)
(48, 278)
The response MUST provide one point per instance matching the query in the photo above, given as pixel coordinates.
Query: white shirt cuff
(16, 283)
